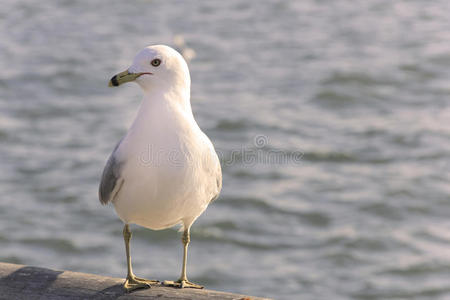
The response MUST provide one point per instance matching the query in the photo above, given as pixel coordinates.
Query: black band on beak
(114, 81)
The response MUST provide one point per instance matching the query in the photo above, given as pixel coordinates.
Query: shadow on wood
(25, 282)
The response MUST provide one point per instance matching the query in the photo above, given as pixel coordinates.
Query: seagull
(164, 171)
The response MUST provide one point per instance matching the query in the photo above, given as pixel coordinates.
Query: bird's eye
(156, 62)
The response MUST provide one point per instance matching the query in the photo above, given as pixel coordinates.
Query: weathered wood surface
(25, 282)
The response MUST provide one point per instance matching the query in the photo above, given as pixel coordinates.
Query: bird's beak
(123, 77)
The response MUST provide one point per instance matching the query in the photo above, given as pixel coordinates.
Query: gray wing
(218, 183)
(111, 180)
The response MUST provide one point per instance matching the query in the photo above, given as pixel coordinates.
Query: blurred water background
(348, 99)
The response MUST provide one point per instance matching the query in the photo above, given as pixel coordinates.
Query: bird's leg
(183, 282)
(133, 282)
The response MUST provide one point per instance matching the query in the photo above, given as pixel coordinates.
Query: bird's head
(154, 67)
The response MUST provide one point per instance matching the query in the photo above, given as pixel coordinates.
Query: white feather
(170, 169)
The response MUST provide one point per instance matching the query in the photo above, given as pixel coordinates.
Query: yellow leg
(183, 282)
(133, 282)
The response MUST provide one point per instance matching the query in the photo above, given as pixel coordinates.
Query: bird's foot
(147, 280)
(182, 284)
(133, 283)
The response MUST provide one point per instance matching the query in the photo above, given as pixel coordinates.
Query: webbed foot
(133, 283)
(182, 284)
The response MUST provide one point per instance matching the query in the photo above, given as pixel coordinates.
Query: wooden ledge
(25, 282)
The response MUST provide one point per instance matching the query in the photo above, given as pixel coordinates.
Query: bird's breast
(165, 179)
